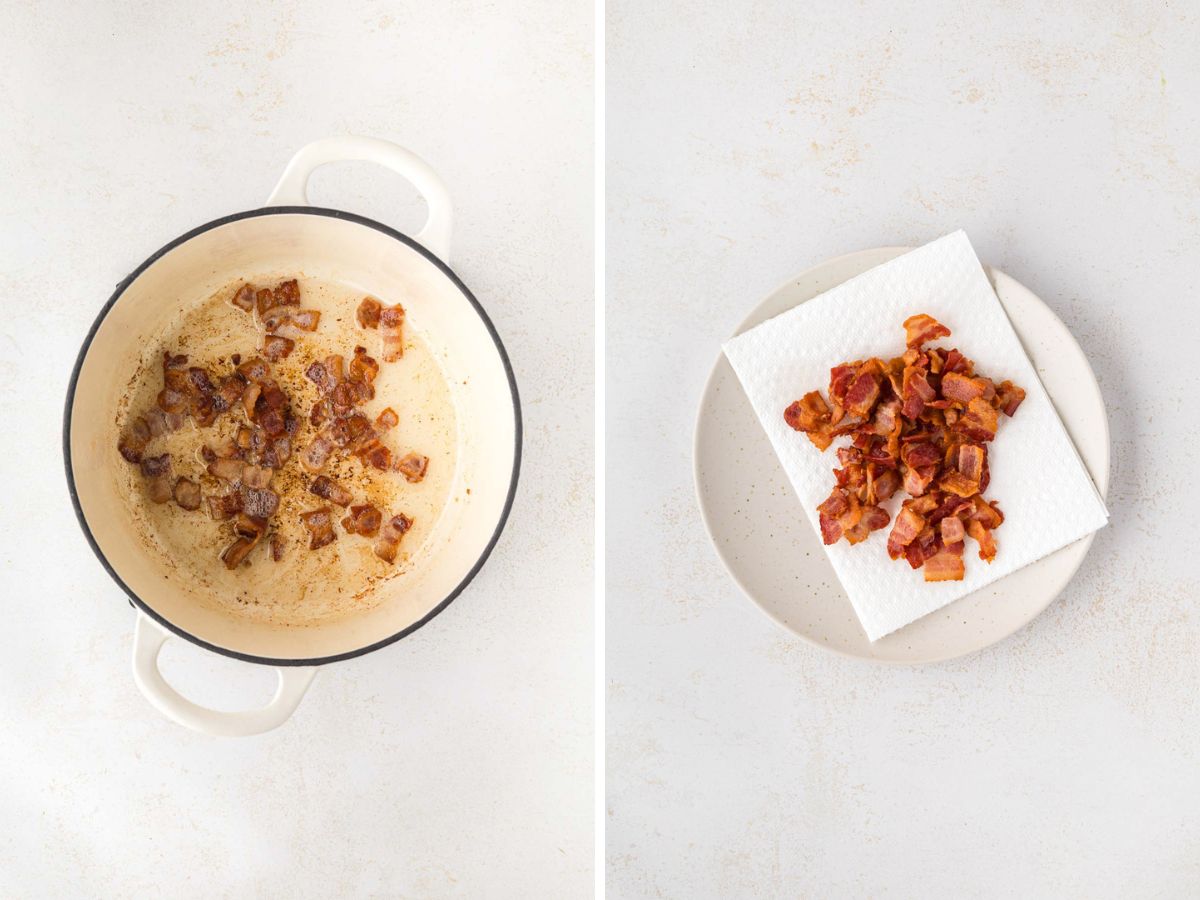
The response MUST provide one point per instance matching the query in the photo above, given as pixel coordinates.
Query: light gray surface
(745, 148)
(455, 763)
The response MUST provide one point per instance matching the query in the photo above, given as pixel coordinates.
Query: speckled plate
(776, 557)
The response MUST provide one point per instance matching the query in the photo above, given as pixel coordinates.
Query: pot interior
(366, 260)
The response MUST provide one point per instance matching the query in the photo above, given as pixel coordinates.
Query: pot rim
(518, 432)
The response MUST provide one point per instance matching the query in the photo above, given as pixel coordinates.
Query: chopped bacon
(983, 536)
(328, 489)
(276, 348)
(186, 493)
(277, 547)
(133, 442)
(921, 422)
(259, 501)
(364, 519)
(946, 564)
(362, 367)
(412, 466)
(156, 465)
(315, 454)
(387, 419)
(391, 329)
(226, 469)
(256, 370)
(244, 298)
(294, 325)
(258, 477)
(368, 312)
(287, 293)
(321, 377)
(921, 329)
(388, 541)
(264, 299)
(226, 506)
(159, 487)
(319, 523)
(235, 553)
(161, 423)
(1009, 397)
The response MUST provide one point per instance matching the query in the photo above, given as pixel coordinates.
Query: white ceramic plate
(777, 559)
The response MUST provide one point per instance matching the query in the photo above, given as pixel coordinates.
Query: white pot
(288, 235)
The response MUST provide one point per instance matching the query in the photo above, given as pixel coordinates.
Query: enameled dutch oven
(287, 234)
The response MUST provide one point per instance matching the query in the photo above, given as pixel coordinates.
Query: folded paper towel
(1037, 478)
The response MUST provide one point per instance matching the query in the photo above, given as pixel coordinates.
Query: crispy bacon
(983, 536)
(244, 298)
(412, 466)
(391, 329)
(133, 442)
(277, 547)
(364, 519)
(321, 377)
(319, 523)
(328, 489)
(921, 329)
(362, 367)
(235, 553)
(921, 422)
(390, 534)
(287, 293)
(224, 506)
(315, 454)
(387, 419)
(368, 312)
(276, 348)
(256, 370)
(186, 493)
(259, 501)
(226, 469)
(161, 423)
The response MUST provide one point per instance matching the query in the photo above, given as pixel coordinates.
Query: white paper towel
(1047, 497)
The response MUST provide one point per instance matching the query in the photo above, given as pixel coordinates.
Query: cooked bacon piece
(172, 401)
(342, 398)
(958, 484)
(274, 318)
(908, 524)
(918, 454)
(811, 415)
(248, 526)
(159, 487)
(951, 530)
(277, 547)
(979, 421)
(276, 348)
(156, 465)
(244, 298)
(226, 469)
(321, 377)
(962, 389)
(278, 453)
(987, 514)
(946, 564)
(387, 419)
(315, 454)
(863, 390)
(287, 293)
(328, 489)
(161, 423)
(921, 329)
(412, 466)
(916, 393)
(133, 441)
(364, 519)
(388, 541)
(256, 370)
(362, 366)
(1009, 397)
(368, 312)
(319, 523)
(259, 501)
(840, 512)
(971, 460)
(186, 493)
(917, 481)
(256, 476)
(226, 506)
(873, 518)
(885, 484)
(250, 397)
(336, 366)
(391, 328)
(987, 544)
(235, 553)
(377, 455)
(291, 325)
(264, 299)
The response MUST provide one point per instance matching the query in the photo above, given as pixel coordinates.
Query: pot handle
(292, 187)
(148, 640)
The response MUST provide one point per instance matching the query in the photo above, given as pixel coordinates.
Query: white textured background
(455, 763)
(746, 146)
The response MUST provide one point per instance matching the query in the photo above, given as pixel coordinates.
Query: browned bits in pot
(187, 493)
(244, 300)
(319, 523)
(412, 466)
(368, 312)
(276, 348)
(328, 489)
(364, 519)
